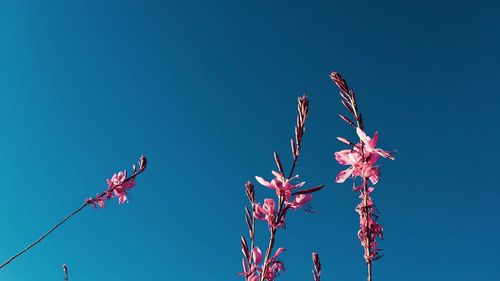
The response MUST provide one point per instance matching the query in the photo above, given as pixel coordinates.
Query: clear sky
(207, 90)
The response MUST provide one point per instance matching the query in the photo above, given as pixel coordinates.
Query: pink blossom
(362, 167)
(274, 266)
(361, 159)
(251, 273)
(100, 202)
(266, 212)
(280, 184)
(256, 255)
(119, 185)
(369, 144)
(300, 200)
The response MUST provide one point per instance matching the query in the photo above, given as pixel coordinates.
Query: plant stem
(295, 158)
(132, 177)
(272, 237)
(252, 238)
(369, 271)
(365, 211)
(45, 235)
(268, 252)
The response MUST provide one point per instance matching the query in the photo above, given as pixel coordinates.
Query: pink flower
(119, 185)
(251, 273)
(266, 212)
(282, 186)
(369, 144)
(97, 201)
(362, 167)
(300, 200)
(274, 266)
(256, 255)
(362, 158)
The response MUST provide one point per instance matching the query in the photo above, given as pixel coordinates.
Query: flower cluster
(283, 188)
(118, 185)
(370, 229)
(272, 268)
(361, 158)
(289, 196)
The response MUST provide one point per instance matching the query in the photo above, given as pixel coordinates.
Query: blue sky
(207, 91)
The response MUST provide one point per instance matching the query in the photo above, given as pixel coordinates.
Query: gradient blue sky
(207, 90)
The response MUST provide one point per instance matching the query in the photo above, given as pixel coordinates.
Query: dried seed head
(340, 82)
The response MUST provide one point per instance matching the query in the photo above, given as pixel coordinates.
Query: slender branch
(250, 220)
(272, 238)
(370, 271)
(268, 253)
(293, 166)
(368, 230)
(87, 202)
(45, 235)
(252, 238)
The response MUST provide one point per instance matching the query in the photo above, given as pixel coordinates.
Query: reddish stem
(368, 234)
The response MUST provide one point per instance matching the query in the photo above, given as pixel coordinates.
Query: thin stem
(272, 238)
(368, 234)
(45, 235)
(295, 158)
(370, 271)
(268, 252)
(252, 238)
(132, 177)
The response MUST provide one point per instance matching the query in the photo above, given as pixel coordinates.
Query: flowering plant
(289, 196)
(118, 186)
(361, 159)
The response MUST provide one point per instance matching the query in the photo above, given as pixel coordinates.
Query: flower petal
(263, 182)
(343, 175)
(300, 200)
(374, 139)
(256, 255)
(259, 212)
(278, 252)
